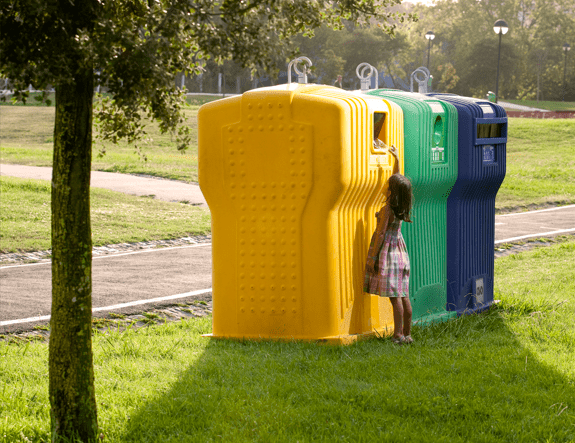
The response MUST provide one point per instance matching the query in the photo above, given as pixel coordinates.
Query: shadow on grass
(465, 380)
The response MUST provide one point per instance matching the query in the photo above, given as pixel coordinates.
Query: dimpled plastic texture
(293, 183)
(471, 203)
(430, 128)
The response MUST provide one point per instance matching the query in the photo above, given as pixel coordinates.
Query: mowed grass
(540, 154)
(505, 375)
(25, 217)
(541, 104)
(540, 163)
(27, 138)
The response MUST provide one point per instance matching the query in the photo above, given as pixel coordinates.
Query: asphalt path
(144, 276)
(542, 223)
(26, 290)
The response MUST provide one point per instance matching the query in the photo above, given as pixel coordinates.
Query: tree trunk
(72, 396)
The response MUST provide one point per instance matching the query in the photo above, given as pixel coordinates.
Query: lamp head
(500, 27)
(566, 47)
(429, 35)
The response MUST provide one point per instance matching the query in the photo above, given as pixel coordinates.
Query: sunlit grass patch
(27, 138)
(504, 375)
(540, 154)
(26, 217)
(540, 163)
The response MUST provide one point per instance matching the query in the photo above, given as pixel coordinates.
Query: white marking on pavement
(113, 255)
(110, 308)
(540, 210)
(541, 234)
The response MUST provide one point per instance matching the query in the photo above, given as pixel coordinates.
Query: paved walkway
(142, 277)
(507, 105)
(167, 190)
(533, 224)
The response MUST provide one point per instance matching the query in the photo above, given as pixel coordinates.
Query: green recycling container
(430, 161)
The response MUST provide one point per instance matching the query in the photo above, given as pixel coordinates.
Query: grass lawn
(505, 375)
(116, 217)
(540, 163)
(32, 144)
(550, 105)
(540, 159)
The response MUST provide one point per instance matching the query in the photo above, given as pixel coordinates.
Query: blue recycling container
(482, 139)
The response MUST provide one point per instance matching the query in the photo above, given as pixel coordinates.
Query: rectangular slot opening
(438, 140)
(380, 136)
(490, 130)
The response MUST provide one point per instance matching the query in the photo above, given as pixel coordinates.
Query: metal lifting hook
(301, 75)
(422, 82)
(365, 80)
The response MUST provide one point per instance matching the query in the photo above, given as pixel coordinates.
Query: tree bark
(71, 387)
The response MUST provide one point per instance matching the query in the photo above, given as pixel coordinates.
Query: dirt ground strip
(127, 318)
(505, 249)
(539, 114)
(11, 258)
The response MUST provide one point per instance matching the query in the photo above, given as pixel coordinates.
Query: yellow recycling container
(293, 179)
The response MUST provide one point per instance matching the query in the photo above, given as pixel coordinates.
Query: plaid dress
(391, 277)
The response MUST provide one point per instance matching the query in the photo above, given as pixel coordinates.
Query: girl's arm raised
(393, 151)
(378, 237)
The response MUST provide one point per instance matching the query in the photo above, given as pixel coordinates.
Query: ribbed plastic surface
(293, 183)
(471, 203)
(430, 128)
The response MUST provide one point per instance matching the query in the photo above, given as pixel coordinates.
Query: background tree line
(463, 54)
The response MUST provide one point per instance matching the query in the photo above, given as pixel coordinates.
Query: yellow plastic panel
(293, 183)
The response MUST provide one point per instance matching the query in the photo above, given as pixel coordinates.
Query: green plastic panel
(430, 130)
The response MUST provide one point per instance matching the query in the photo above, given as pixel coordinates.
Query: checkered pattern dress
(391, 277)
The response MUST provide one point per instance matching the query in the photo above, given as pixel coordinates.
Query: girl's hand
(393, 151)
(370, 265)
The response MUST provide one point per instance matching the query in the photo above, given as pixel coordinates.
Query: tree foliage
(465, 49)
(465, 38)
(135, 48)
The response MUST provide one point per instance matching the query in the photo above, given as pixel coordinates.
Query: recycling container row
(293, 179)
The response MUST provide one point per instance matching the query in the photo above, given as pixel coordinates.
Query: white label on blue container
(487, 110)
(488, 154)
(479, 292)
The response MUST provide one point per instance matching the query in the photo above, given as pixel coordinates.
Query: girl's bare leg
(397, 306)
(407, 315)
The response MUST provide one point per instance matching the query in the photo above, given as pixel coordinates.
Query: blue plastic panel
(471, 205)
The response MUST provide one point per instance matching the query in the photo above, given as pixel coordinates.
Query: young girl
(387, 267)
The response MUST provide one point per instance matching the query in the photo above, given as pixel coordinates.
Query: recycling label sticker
(488, 154)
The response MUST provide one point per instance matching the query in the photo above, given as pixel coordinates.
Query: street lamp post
(429, 35)
(500, 27)
(566, 48)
